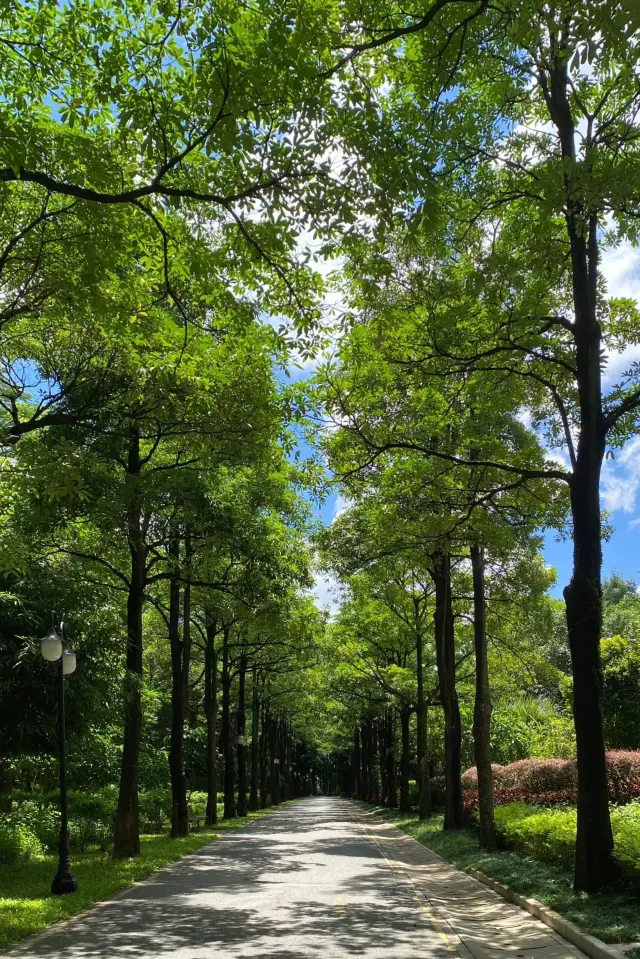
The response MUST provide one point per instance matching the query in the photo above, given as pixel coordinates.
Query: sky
(620, 485)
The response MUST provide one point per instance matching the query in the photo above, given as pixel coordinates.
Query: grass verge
(612, 915)
(27, 906)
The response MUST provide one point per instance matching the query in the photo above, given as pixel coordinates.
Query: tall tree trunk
(227, 743)
(357, 777)
(595, 862)
(374, 782)
(211, 711)
(482, 706)
(241, 746)
(290, 789)
(127, 827)
(392, 785)
(445, 654)
(366, 762)
(274, 759)
(264, 758)
(405, 715)
(383, 746)
(255, 740)
(179, 808)
(424, 806)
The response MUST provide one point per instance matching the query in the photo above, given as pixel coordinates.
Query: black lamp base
(64, 883)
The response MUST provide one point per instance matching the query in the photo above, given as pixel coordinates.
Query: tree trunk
(445, 654)
(211, 711)
(274, 759)
(255, 741)
(595, 862)
(364, 739)
(405, 715)
(179, 809)
(241, 747)
(424, 806)
(227, 744)
(264, 758)
(482, 706)
(383, 746)
(392, 785)
(127, 827)
(357, 777)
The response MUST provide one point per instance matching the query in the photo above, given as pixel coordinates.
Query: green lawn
(27, 906)
(613, 916)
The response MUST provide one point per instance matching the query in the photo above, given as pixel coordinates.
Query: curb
(590, 945)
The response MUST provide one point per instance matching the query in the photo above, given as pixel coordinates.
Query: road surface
(317, 880)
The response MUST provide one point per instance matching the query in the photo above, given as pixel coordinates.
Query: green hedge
(18, 843)
(549, 834)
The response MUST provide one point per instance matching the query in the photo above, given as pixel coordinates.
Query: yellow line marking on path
(417, 898)
(341, 907)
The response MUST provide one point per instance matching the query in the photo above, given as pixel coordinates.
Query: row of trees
(159, 171)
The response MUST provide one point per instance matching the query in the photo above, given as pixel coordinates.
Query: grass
(27, 906)
(612, 915)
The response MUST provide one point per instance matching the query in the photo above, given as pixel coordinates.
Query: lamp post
(54, 650)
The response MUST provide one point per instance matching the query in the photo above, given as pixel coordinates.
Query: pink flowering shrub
(546, 782)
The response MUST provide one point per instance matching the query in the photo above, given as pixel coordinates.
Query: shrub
(155, 809)
(545, 834)
(549, 781)
(198, 803)
(18, 843)
(101, 805)
(623, 767)
(550, 834)
(626, 832)
(43, 820)
(90, 832)
(470, 776)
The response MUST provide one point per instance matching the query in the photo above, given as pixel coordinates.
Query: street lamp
(54, 650)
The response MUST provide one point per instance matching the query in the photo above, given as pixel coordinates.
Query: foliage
(549, 834)
(17, 841)
(550, 781)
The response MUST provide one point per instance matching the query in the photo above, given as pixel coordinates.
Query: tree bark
(424, 808)
(405, 715)
(211, 711)
(482, 707)
(273, 756)
(357, 777)
(392, 785)
(127, 826)
(179, 665)
(595, 863)
(383, 746)
(227, 744)
(241, 747)
(445, 654)
(255, 740)
(264, 758)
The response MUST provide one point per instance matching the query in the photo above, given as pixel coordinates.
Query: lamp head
(51, 646)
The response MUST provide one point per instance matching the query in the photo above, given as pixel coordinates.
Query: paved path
(318, 879)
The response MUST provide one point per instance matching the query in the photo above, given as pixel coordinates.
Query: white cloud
(326, 591)
(621, 479)
(341, 505)
(620, 267)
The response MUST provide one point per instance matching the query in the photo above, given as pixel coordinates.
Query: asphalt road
(310, 880)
